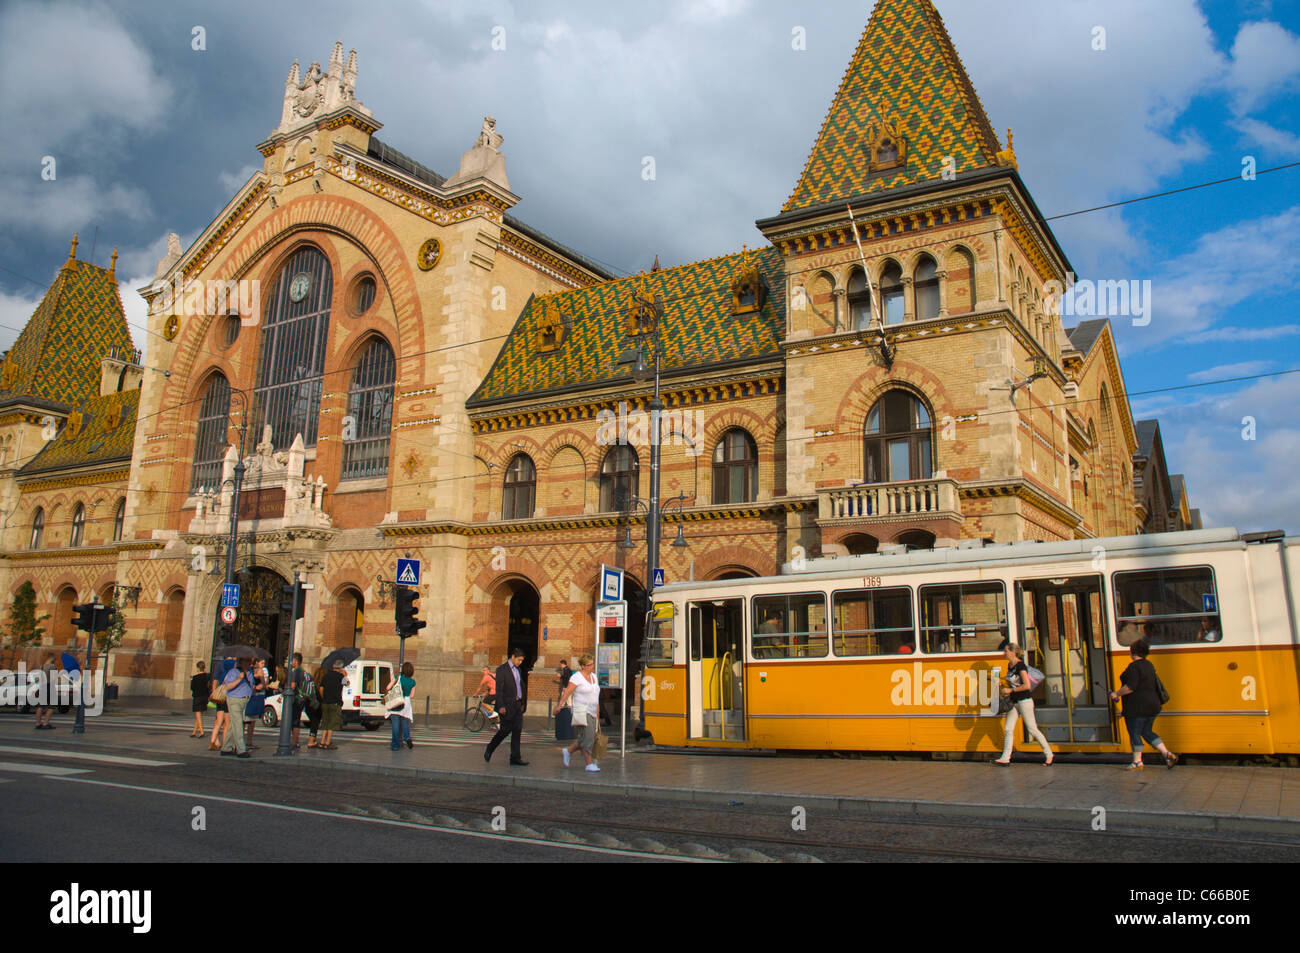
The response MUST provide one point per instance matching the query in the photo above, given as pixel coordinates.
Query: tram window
(970, 617)
(660, 637)
(872, 622)
(790, 626)
(1167, 606)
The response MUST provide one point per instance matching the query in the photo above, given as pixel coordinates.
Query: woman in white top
(585, 691)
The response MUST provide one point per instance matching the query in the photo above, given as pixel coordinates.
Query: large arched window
(119, 519)
(349, 613)
(618, 478)
(891, 292)
(859, 301)
(897, 438)
(735, 468)
(63, 631)
(292, 363)
(521, 488)
(210, 440)
(370, 412)
(78, 525)
(38, 529)
(927, 289)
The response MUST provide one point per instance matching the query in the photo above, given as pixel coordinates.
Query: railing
(885, 501)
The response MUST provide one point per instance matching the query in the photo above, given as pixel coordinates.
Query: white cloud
(1242, 334)
(1278, 141)
(15, 311)
(1226, 371)
(232, 182)
(1238, 482)
(1222, 269)
(1265, 62)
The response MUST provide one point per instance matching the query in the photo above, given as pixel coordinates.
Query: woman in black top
(1022, 705)
(1141, 705)
(200, 689)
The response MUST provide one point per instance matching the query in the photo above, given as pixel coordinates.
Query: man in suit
(512, 697)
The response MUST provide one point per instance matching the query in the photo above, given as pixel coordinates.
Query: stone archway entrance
(260, 621)
(521, 628)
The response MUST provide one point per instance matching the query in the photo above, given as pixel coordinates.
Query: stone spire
(315, 93)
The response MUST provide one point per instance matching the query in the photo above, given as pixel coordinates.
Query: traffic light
(408, 621)
(105, 618)
(83, 617)
(294, 608)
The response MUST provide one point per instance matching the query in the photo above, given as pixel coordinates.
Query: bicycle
(480, 715)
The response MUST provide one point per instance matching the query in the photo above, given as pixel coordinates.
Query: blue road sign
(611, 584)
(230, 595)
(408, 572)
(659, 578)
(1208, 602)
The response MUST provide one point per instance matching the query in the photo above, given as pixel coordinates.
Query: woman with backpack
(1143, 695)
(314, 709)
(1018, 690)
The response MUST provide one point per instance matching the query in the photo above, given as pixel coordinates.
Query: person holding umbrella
(49, 680)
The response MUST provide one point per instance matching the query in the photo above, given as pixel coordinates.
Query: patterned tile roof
(57, 356)
(698, 327)
(97, 441)
(905, 71)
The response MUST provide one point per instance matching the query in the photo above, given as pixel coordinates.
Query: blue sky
(151, 136)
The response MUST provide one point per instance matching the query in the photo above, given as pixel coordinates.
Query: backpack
(306, 691)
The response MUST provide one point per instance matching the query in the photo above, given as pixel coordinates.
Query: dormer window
(643, 312)
(550, 332)
(885, 145)
(746, 287)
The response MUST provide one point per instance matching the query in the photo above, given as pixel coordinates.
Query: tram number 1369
(871, 582)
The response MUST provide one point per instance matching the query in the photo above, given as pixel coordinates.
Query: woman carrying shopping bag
(397, 701)
(585, 692)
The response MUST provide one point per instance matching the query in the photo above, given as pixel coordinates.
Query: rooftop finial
(72, 252)
(112, 265)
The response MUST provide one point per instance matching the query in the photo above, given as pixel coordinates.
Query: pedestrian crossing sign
(408, 572)
(658, 578)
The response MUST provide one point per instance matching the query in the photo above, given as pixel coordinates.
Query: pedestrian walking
(256, 702)
(200, 692)
(314, 708)
(239, 689)
(402, 717)
(1140, 690)
(331, 702)
(49, 684)
(512, 702)
(585, 692)
(1018, 693)
(221, 726)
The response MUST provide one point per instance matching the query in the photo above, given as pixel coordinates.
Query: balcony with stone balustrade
(888, 510)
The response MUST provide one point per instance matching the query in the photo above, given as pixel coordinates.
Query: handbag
(601, 746)
(579, 717)
(1160, 687)
(394, 700)
(1004, 704)
(219, 693)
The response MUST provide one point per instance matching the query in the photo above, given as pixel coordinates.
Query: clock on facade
(299, 286)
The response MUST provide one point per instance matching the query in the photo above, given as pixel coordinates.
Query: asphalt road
(78, 806)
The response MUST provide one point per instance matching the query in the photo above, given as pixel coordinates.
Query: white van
(363, 695)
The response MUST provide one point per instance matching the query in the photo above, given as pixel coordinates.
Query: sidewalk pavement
(1258, 799)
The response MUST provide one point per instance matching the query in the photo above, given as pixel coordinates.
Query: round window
(363, 294)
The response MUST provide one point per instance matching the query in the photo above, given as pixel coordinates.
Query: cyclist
(488, 685)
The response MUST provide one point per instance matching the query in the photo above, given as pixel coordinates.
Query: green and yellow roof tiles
(905, 72)
(104, 435)
(57, 356)
(699, 327)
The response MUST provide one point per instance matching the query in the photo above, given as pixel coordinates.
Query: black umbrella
(345, 656)
(245, 651)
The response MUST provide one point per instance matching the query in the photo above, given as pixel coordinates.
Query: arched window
(210, 440)
(521, 488)
(897, 437)
(38, 529)
(64, 633)
(119, 519)
(927, 289)
(618, 478)
(78, 525)
(735, 468)
(292, 362)
(348, 619)
(891, 292)
(370, 409)
(859, 301)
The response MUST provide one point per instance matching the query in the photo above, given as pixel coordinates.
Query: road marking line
(86, 756)
(378, 820)
(51, 770)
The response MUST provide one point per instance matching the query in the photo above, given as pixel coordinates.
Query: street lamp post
(234, 510)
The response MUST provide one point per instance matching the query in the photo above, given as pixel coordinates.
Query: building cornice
(1024, 490)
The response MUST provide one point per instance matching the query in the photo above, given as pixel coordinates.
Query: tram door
(1063, 632)
(715, 669)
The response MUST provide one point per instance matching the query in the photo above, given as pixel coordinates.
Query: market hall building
(413, 371)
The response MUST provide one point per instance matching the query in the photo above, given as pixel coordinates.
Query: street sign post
(611, 584)
(228, 614)
(658, 578)
(230, 595)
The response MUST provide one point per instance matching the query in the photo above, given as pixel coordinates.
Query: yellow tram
(898, 651)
